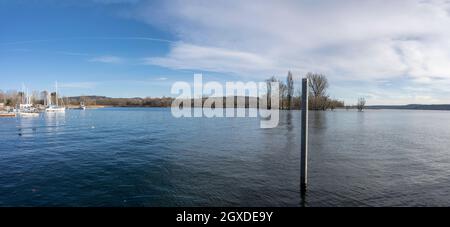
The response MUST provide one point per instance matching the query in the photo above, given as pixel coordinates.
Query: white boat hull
(29, 114)
(55, 110)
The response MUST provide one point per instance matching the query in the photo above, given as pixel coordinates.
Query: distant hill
(93, 97)
(151, 102)
(144, 102)
(122, 102)
(412, 107)
(166, 102)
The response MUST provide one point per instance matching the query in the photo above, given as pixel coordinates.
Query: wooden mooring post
(304, 138)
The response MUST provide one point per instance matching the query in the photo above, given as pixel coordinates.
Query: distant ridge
(166, 101)
(412, 107)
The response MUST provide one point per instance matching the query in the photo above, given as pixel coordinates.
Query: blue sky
(389, 52)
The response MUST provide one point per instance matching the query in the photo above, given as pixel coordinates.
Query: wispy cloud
(115, 1)
(71, 53)
(162, 78)
(78, 85)
(188, 56)
(139, 38)
(107, 59)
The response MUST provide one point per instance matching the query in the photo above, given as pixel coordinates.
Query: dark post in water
(304, 135)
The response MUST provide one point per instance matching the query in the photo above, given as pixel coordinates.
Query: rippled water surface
(145, 157)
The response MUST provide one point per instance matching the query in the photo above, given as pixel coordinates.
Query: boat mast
(23, 97)
(28, 98)
(49, 98)
(56, 92)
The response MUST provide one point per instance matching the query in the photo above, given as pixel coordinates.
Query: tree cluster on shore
(318, 98)
(13, 98)
(361, 104)
(290, 98)
(121, 102)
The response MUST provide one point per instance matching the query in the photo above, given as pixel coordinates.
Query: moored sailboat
(26, 109)
(54, 108)
(82, 106)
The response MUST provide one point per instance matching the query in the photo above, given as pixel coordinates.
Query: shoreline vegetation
(318, 98)
(445, 107)
(96, 102)
(289, 99)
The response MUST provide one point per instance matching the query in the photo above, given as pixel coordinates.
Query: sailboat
(26, 109)
(54, 108)
(82, 106)
(28, 114)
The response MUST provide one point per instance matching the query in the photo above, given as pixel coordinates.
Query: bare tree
(290, 89)
(333, 104)
(11, 98)
(318, 84)
(361, 104)
(269, 90)
(20, 98)
(2, 97)
(43, 96)
(53, 97)
(283, 94)
(35, 97)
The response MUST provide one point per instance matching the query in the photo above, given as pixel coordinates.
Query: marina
(26, 107)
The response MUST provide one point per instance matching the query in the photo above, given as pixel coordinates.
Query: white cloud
(162, 78)
(353, 40)
(107, 59)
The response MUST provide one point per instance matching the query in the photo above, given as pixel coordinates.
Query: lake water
(145, 157)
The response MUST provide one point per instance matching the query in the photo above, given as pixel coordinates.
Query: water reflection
(303, 195)
(54, 120)
(27, 126)
(317, 119)
(289, 124)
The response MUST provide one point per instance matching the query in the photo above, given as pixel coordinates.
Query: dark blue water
(145, 157)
